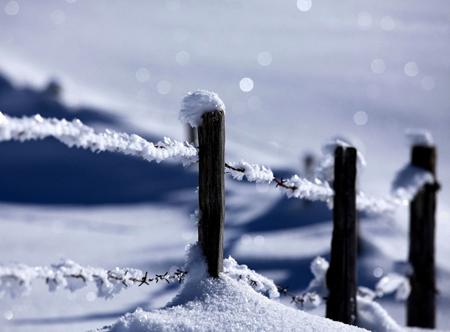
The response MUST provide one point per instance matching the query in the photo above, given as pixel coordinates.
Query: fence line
(16, 279)
(76, 134)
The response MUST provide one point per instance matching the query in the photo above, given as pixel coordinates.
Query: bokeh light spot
(12, 8)
(378, 66)
(304, 5)
(360, 118)
(387, 23)
(246, 84)
(58, 17)
(183, 58)
(411, 69)
(378, 272)
(364, 20)
(9, 315)
(264, 58)
(142, 75)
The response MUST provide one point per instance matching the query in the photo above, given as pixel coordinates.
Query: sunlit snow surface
(292, 73)
(206, 304)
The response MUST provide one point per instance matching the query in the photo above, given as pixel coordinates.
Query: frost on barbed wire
(252, 172)
(196, 103)
(76, 134)
(312, 297)
(242, 273)
(16, 280)
(305, 189)
(319, 267)
(394, 283)
(295, 186)
(419, 137)
(409, 181)
(375, 205)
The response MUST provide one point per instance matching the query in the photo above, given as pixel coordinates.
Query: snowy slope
(365, 69)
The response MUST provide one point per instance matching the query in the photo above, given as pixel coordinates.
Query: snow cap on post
(419, 137)
(196, 103)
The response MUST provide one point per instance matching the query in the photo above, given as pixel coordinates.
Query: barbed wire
(177, 276)
(16, 280)
(75, 133)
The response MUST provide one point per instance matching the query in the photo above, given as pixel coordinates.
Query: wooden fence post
(421, 301)
(341, 276)
(211, 136)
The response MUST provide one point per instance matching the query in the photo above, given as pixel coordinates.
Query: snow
(76, 134)
(253, 172)
(311, 90)
(394, 282)
(375, 205)
(16, 280)
(373, 317)
(243, 274)
(325, 169)
(306, 189)
(197, 103)
(319, 268)
(206, 304)
(295, 186)
(419, 137)
(409, 181)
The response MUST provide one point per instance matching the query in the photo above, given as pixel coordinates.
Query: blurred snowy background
(292, 73)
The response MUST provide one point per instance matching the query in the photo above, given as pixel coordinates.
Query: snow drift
(225, 304)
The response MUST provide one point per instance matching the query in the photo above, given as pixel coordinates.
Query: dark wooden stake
(341, 276)
(211, 136)
(422, 302)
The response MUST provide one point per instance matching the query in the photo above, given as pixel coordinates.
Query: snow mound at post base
(224, 305)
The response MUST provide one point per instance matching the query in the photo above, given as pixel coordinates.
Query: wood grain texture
(341, 276)
(422, 300)
(211, 135)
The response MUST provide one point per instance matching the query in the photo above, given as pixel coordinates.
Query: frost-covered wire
(409, 181)
(16, 280)
(76, 134)
(294, 186)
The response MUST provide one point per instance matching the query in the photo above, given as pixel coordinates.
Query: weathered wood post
(211, 136)
(341, 276)
(421, 301)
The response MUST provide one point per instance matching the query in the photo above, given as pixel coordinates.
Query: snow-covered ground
(290, 79)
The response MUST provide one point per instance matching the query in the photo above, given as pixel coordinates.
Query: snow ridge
(76, 134)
